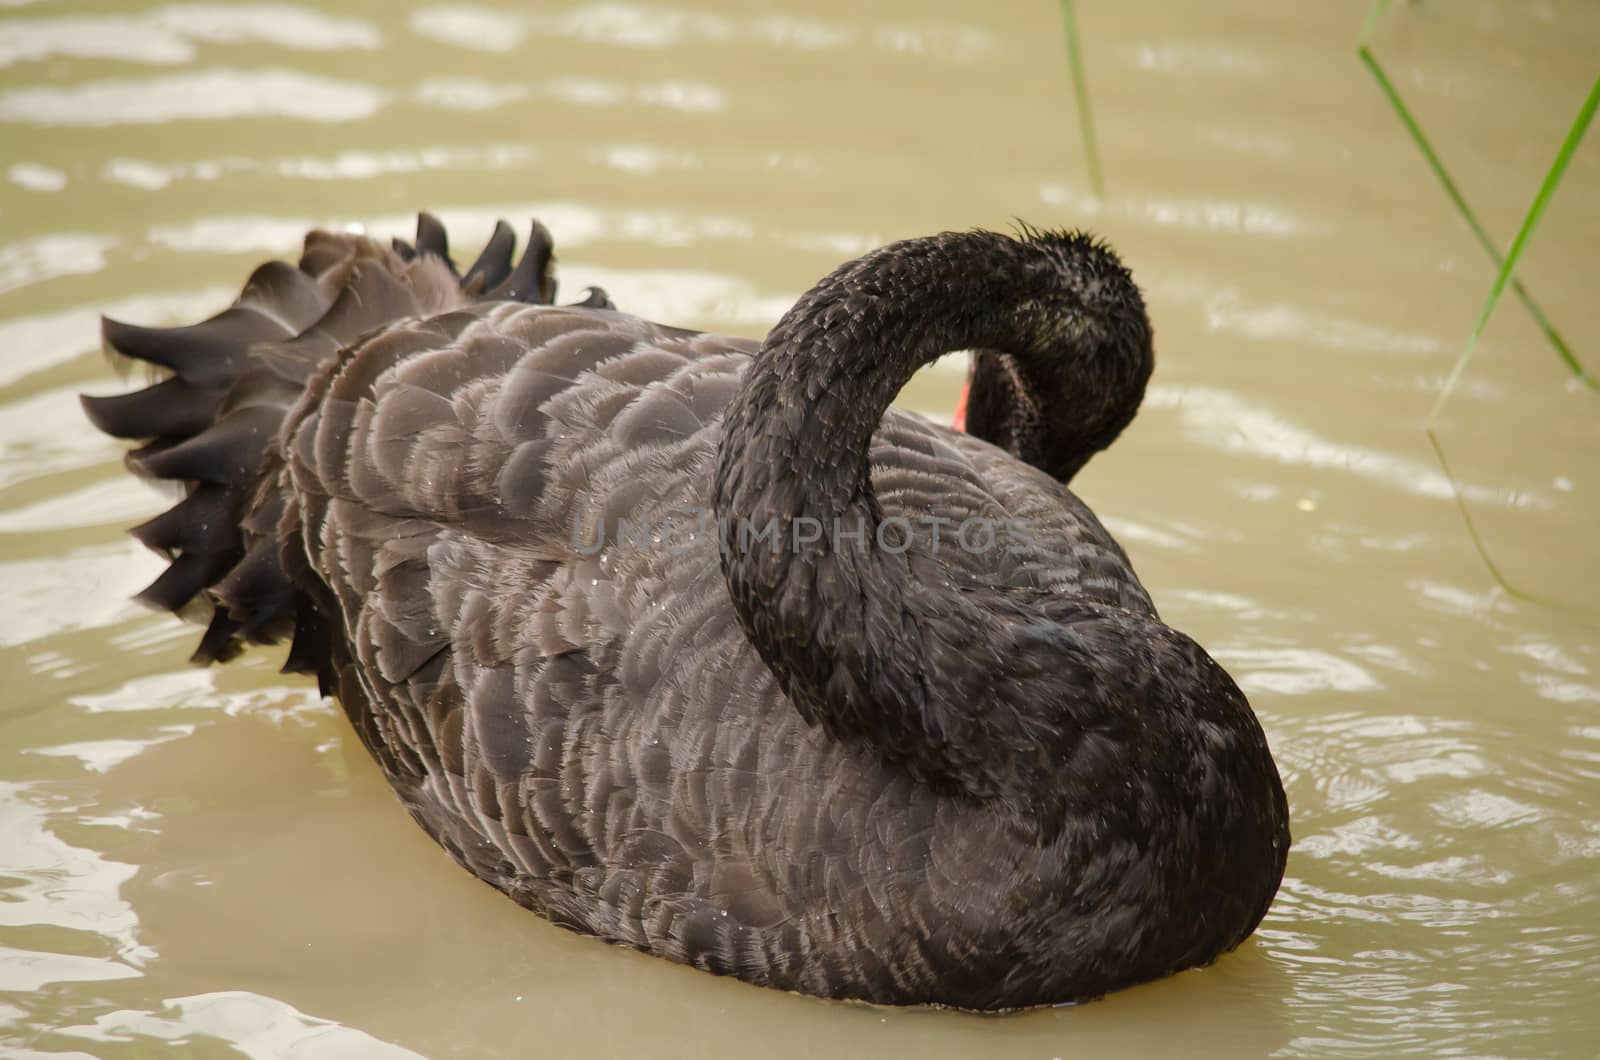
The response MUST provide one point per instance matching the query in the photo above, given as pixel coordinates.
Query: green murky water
(206, 858)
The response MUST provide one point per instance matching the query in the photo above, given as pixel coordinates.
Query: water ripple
(232, 235)
(1229, 423)
(167, 36)
(31, 261)
(36, 177)
(579, 225)
(29, 449)
(470, 93)
(105, 754)
(470, 27)
(257, 1026)
(1295, 671)
(86, 588)
(51, 883)
(1225, 312)
(285, 25)
(467, 93)
(114, 502)
(1189, 59)
(353, 164)
(632, 26)
(203, 95)
(1224, 216)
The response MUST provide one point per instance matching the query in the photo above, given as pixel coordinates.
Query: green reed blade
(1080, 88)
(1436, 164)
(1505, 267)
(1466, 519)
(1547, 190)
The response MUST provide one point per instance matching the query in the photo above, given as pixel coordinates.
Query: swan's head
(1068, 368)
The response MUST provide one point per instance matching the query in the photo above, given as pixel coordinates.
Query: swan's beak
(960, 423)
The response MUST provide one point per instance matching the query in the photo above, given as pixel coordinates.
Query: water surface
(208, 858)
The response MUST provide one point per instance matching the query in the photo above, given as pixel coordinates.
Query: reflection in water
(1205, 60)
(98, 756)
(345, 165)
(207, 95)
(282, 25)
(35, 177)
(82, 590)
(254, 1025)
(1294, 671)
(27, 454)
(232, 235)
(644, 158)
(204, 859)
(103, 504)
(57, 890)
(365, 165)
(167, 36)
(640, 26)
(466, 93)
(1223, 216)
(46, 257)
(1286, 323)
(470, 27)
(1221, 420)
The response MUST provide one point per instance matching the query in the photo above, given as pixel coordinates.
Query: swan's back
(493, 526)
(567, 702)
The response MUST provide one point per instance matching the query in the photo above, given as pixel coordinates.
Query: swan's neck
(967, 688)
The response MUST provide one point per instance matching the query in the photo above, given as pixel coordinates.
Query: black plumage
(523, 544)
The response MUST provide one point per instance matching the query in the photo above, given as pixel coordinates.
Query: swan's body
(508, 538)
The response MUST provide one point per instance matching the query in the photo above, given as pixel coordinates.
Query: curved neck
(860, 643)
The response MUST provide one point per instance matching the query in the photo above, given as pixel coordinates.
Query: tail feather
(227, 453)
(185, 576)
(172, 405)
(213, 423)
(220, 642)
(531, 280)
(258, 591)
(373, 296)
(308, 648)
(433, 239)
(292, 295)
(186, 526)
(272, 307)
(494, 264)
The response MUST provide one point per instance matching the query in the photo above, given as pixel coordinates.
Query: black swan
(694, 643)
